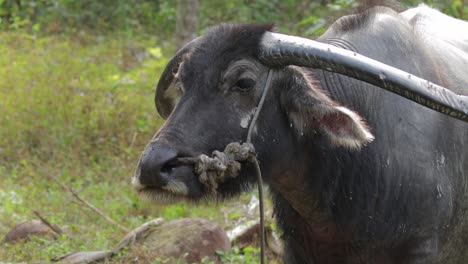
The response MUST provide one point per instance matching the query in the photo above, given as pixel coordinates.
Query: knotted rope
(222, 165)
(227, 164)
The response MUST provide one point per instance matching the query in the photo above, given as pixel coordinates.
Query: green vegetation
(77, 109)
(159, 16)
(77, 83)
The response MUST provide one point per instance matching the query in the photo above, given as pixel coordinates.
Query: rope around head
(227, 164)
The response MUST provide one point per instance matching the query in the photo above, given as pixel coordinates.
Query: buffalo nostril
(155, 167)
(167, 168)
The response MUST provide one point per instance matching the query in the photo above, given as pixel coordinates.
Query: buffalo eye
(244, 84)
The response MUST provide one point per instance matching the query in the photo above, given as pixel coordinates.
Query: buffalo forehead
(218, 47)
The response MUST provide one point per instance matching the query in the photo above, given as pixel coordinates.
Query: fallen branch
(84, 257)
(88, 204)
(54, 228)
(96, 256)
(137, 233)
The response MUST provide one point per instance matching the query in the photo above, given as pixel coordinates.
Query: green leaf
(308, 20)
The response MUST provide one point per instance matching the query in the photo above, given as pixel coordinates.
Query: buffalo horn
(281, 50)
(163, 104)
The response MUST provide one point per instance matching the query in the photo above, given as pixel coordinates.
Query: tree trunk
(187, 20)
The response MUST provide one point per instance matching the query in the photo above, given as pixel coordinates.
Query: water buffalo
(356, 174)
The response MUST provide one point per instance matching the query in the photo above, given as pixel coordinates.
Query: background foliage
(158, 16)
(77, 81)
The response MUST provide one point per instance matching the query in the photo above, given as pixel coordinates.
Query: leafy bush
(106, 15)
(158, 16)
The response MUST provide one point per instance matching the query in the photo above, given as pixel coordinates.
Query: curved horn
(165, 105)
(280, 50)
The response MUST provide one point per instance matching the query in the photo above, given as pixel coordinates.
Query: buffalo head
(208, 94)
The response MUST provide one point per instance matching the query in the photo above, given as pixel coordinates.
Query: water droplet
(439, 191)
(382, 76)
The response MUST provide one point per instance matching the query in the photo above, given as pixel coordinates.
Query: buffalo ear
(311, 111)
(344, 127)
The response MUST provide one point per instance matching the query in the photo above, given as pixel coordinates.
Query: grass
(81, 108)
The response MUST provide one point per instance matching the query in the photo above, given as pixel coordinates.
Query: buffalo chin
(171, 193)
(152, 194)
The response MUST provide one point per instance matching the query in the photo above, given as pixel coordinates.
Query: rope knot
(241, 152)
(223, 165)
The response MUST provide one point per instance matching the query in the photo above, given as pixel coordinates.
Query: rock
(25, 230)
(188, 239)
